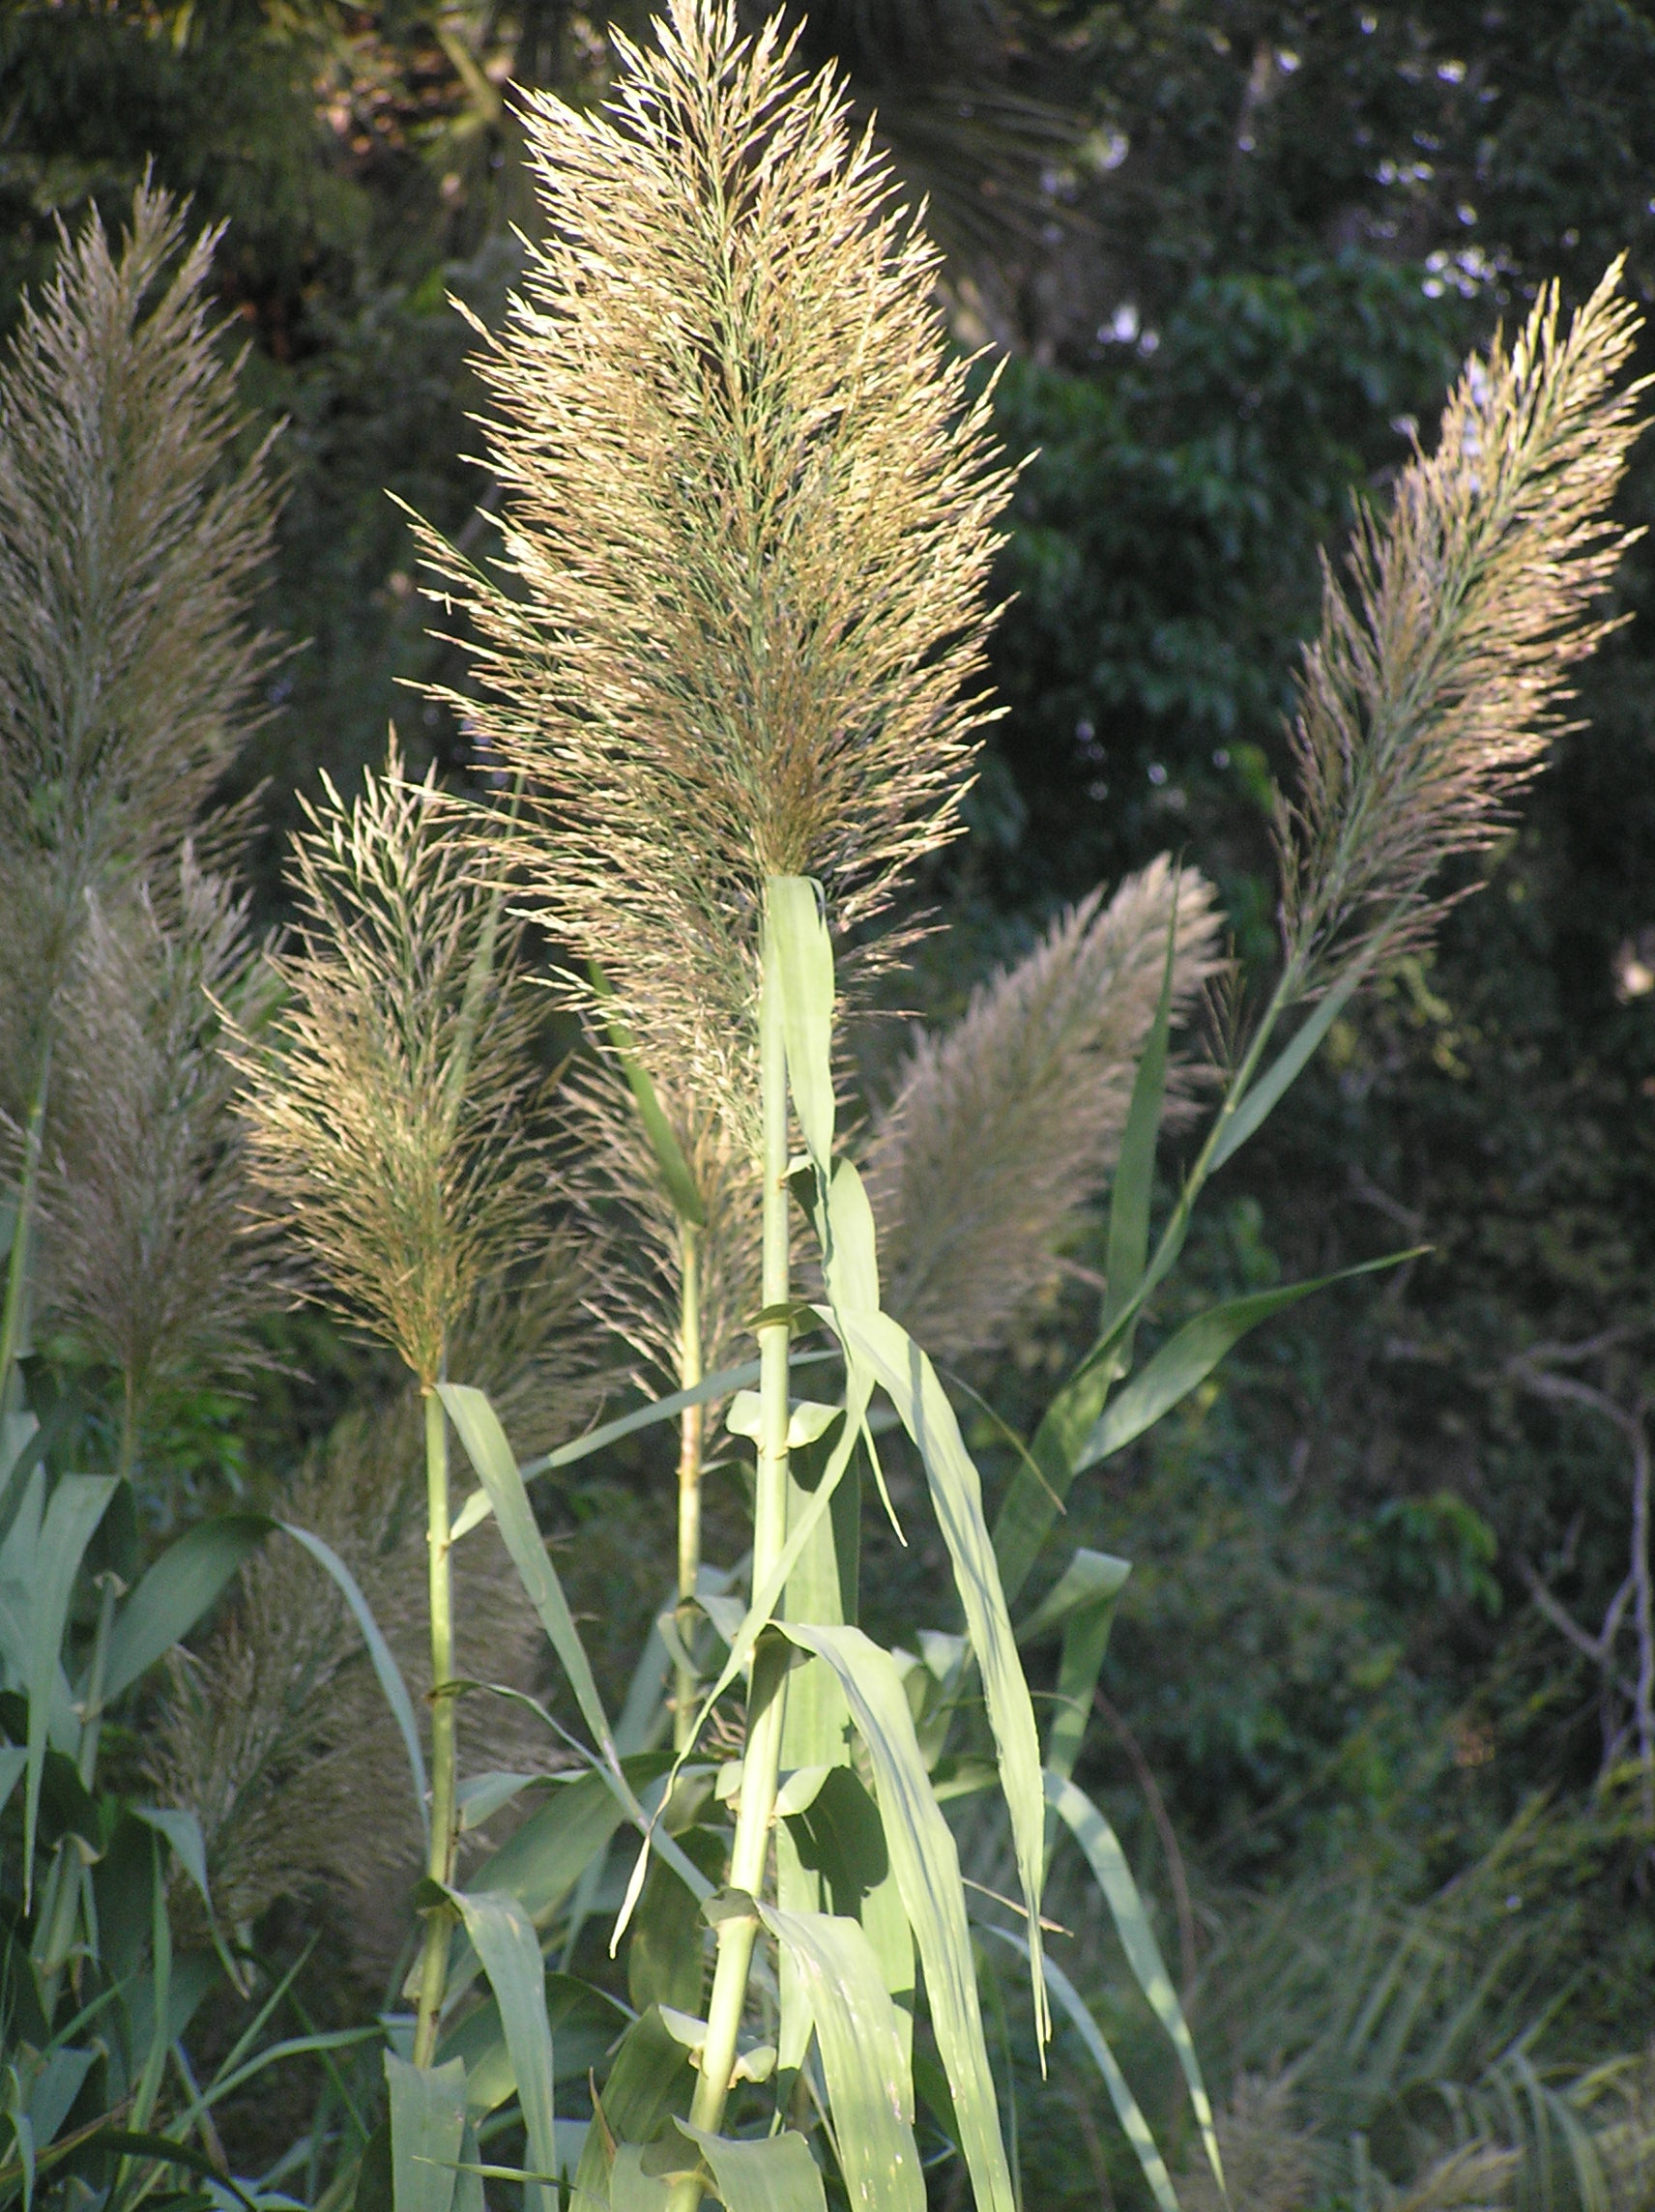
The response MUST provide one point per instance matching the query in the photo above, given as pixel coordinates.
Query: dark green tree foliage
(1307, 214)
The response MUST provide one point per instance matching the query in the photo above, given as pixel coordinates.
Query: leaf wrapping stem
(691, 1431)
(767, 1702)
(434, 1954)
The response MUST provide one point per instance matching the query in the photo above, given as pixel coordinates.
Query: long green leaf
(677, 1179)
(838, 1843)
(172, 1595)
(1134, 1183)
(427, 2128)
(78, 1504)
(504, 1937)
(927, 1867)
(1089, 1580)
(486, 1447)
(490, 1454)
(1083, 1602)
(801, 952)
(539, 1863)
(13, 1758)
(1190, 1356)
(763, 1609)
(648, 2079)
(164, 2151)
(883, 1347)
(1038, 1487)
(864, 2057)
(385, 1667)
(774, 2174)
(630, 2189)
(1114, 1877)
(1128, 2111)
(815, 1729)
(1259, 1102)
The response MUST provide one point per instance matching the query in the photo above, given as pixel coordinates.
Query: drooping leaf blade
(927, 1867)
(478, 1428)
(1185, 1360)
(174, 1592)
(1128, 2109)
(1083, 1602)
(864, 2057)
(774, 2174)
(492, 1455)
(884, 1348)
(1120, 1892)
(385, 1667)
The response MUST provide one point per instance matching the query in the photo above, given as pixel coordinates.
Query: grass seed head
(392, 1110)
(132, 542)
(1431, 694)
(148, 1259)
(736, 625)
(1007, 1126)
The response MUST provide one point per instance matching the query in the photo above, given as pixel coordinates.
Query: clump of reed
(735, 627)
(132, 545)
(1003, 1130)
(1433, 692)
(391, 1110)
(149, 1264)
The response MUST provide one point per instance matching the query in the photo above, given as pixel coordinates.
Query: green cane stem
(434, 1958)
(767, 1702)
(691, 1430)
(14, 1321)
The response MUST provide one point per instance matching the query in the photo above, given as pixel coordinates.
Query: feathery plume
(389, 1116)
(149, 1262)
(1004, 1130)
(1429, 699)
(738, 622)
(132, 547)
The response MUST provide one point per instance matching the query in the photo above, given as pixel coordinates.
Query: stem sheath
(767, 1701)
(14, 1321)
(434, 1958)
(691, 1430)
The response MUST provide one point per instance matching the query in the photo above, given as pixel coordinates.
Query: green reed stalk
(434, 1960)
(691, 1431)
(67, 1880)
(765, 1701)
(12, 1322)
